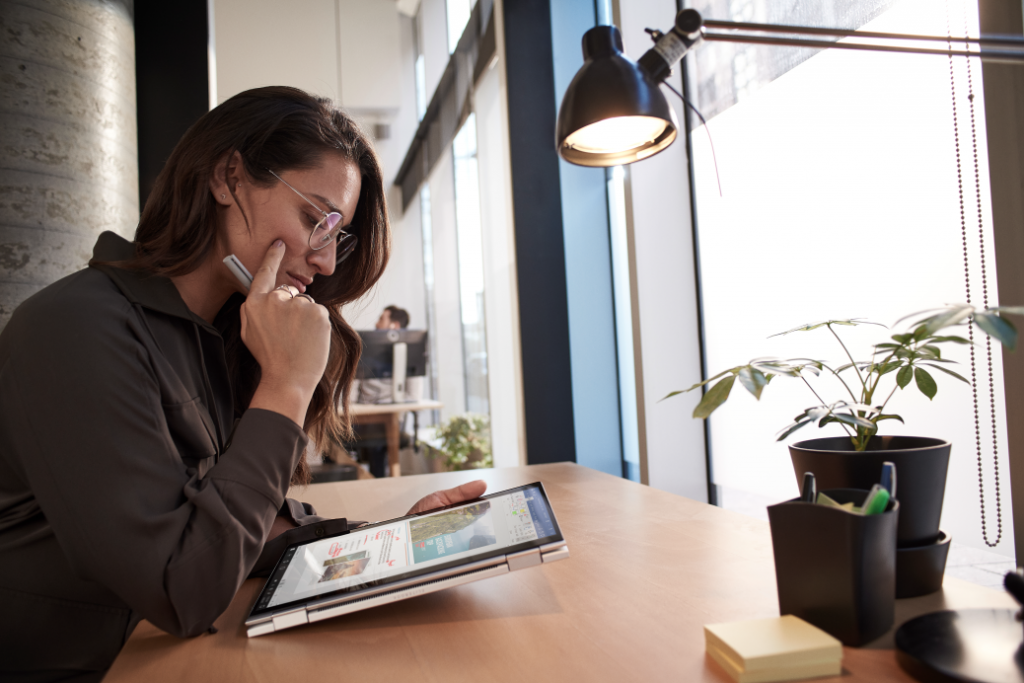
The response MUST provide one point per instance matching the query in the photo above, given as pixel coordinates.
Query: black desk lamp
(614, 113)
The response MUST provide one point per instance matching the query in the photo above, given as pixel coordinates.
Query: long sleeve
(88, 417)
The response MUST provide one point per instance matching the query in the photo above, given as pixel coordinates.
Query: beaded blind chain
(984, 292)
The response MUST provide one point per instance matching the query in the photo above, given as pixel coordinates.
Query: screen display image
(410, 546)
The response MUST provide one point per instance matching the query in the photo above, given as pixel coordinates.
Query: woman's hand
(289, 337)
(459, 494)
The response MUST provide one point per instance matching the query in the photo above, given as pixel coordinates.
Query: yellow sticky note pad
(777, 649)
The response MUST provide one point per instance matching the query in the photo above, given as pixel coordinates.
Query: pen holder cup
(836, 569)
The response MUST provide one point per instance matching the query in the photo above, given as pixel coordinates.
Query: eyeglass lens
(325, 231)
(346, 245)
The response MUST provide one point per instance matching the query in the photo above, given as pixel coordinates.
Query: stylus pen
(889, 478)
(238, 270)
(808, 493)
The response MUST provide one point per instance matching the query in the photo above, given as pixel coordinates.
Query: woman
(153, 411)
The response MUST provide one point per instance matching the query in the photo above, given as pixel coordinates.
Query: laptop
(414, 555)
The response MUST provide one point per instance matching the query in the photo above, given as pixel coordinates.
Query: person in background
(370, 438)
(393, 318)
(154, 410)
(379, 390)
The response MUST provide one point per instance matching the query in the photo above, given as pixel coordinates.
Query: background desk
(647, 570)
(389, 414)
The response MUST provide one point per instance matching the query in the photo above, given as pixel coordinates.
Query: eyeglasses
(328, 229)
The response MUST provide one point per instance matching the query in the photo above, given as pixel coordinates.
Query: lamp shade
(613, 112)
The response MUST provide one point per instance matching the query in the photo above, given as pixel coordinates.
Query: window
(471, 268)
(428, 284)
(458, 17)
(840, 200)
(420, 67)
(616, 178)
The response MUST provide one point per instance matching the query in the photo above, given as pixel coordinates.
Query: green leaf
(932, 349)
(948, 372)
(792, 428)
(998, 328)
(888, 417)
(888, 367)
(854, 420)
(815, 414)
(697, 385)
(925, 382)
(714, 398)
(903, 339)
(950, 338)
(904, 376)
(812, 368)
(849, 322)
(753, 380)
(785, 367)
(1012, 310)
(950, 315)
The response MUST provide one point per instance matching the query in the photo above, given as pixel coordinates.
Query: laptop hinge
(527, 558)
(556, 555)
(260, 629)
(291, 619)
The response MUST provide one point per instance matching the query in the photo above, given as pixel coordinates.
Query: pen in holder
(836, 569)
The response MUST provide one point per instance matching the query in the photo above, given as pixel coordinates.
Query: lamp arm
(1008, 56)
(988, 41)
(690, 29)
(672, 45)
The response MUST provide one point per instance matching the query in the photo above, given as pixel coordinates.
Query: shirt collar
(154, 292)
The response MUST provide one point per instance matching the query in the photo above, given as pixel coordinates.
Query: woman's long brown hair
(283, 129)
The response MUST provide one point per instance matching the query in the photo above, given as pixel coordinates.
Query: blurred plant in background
(465, 442)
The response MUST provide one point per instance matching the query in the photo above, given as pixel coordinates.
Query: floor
(982, 567)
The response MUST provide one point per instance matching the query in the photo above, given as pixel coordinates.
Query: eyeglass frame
(334, 233)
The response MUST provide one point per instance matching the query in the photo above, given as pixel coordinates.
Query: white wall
(434, 37)
(672, 454)
(369, 53)
(266, 42)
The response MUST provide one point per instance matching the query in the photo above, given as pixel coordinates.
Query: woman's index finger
(266, 276)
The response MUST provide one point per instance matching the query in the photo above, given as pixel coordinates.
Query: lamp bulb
(618, 134)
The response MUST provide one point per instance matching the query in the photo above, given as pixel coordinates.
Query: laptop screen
(501, 523)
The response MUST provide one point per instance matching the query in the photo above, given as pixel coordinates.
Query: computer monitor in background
(394, 355)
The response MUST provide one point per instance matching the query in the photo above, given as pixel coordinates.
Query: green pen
(876, 502)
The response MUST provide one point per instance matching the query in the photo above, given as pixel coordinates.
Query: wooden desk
(389, 414)
(648, 569)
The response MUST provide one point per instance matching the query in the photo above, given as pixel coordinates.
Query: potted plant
(855, 460)
(465, 443)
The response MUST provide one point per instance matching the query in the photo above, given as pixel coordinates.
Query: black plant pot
(921, 465)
